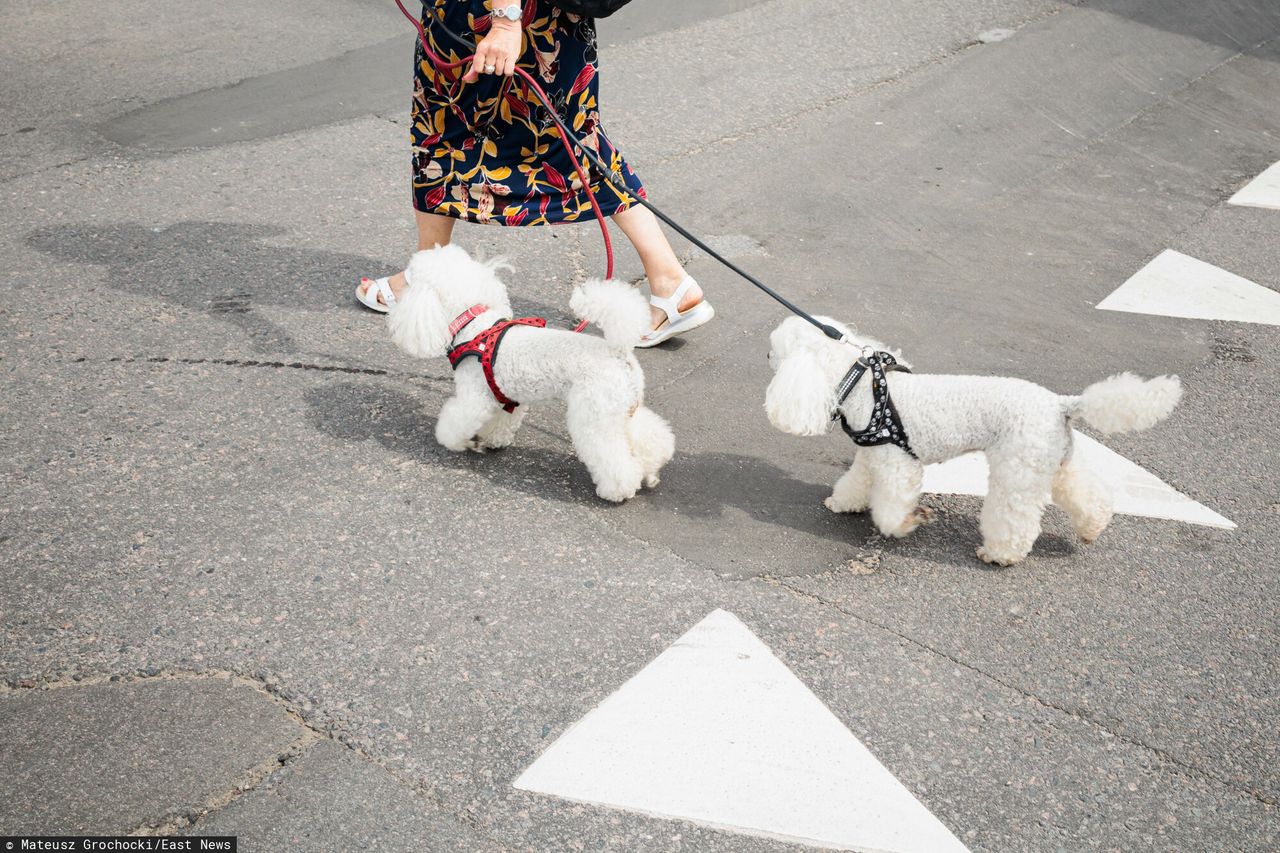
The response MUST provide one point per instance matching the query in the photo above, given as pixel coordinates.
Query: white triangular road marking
(1262, 191)
(717, 731)
(1178, 285)
(1137, 490)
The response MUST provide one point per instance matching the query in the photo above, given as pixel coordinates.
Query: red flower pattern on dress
(492, 141)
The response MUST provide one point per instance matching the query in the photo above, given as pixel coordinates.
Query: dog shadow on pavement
(697, 486)
(762, 519)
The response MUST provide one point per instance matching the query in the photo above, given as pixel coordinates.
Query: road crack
(257, 364)
(269, 687)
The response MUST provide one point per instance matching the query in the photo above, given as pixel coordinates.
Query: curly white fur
(1024, 430)
(623, 444)
(1127, 403)
(616, 307)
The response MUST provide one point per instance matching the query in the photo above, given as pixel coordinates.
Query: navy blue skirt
(489, 151)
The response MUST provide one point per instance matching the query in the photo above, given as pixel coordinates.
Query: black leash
(619, 185)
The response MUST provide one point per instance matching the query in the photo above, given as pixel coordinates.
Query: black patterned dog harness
(885, 426)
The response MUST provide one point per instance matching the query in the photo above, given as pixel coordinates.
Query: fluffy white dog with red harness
(458, 307)
(917, 419)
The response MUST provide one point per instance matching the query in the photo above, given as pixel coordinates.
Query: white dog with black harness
(918, 419)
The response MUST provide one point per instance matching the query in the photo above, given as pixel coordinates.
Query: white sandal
(678, 322)
(378, 287)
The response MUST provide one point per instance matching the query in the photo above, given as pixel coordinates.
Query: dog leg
(461, 418)
(652, 442)
(600, 439)
(1085, 497)
(501, 429)
(896, 479)
(1016, 498)
(852, 492)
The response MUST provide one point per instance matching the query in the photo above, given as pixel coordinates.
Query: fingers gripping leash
(569, 142)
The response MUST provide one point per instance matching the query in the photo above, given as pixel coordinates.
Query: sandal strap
(384, 289)
(671, 304)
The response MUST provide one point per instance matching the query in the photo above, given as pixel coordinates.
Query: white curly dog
(1024, 429)
(623, 444)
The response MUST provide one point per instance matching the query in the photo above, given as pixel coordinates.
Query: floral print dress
(489, 151)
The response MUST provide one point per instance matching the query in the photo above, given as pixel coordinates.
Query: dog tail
(616, 307)
(1126, 403)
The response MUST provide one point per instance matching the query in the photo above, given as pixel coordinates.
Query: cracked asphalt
(243, 592)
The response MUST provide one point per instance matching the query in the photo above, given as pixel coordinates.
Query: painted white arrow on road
(1178, 285)
(718, 731)
(1137, 490)
(1262, 191)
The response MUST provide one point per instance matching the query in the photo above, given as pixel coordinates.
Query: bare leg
(661, 265)
(433, 230)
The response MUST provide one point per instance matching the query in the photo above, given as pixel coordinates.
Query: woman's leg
(661, 265)
(433, 230)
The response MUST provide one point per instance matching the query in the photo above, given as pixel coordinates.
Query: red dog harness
(484, 346)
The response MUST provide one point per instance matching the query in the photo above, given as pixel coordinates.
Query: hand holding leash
(498, 51)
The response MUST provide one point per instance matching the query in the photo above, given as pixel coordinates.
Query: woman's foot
(663, 287)
(370, 294)
(682, 308)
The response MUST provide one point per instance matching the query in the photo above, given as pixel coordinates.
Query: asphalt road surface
(244, 592)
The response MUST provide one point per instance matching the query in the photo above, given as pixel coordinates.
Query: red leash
(529, 83)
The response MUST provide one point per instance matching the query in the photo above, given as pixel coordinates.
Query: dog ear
(417, 323)
(799, 399)
(788, 337)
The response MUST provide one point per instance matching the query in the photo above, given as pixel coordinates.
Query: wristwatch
(511, 13)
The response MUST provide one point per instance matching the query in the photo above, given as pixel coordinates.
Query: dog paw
(924, 514)
(651, 481)
(1090, 535)
(615, 496)
(986, 555)
(495, 439)
(837, 506)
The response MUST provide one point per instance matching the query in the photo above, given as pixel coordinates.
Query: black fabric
(591, 8)
(885, 426)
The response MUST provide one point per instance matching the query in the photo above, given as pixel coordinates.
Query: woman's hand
(498, 51)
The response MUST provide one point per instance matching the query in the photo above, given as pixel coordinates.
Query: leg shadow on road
(224, 270)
